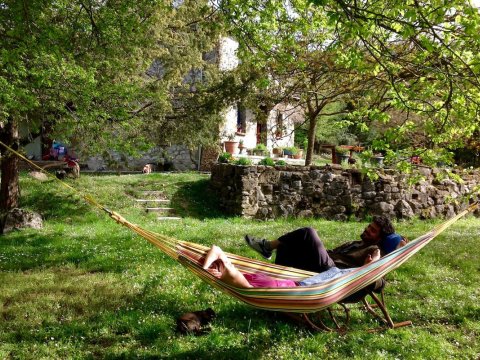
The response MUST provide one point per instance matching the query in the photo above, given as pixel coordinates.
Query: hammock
(303, 299)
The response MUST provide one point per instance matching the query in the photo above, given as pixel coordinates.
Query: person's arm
(228, 272)
(402, 243)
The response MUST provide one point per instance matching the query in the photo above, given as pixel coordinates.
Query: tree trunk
(312, 128)
(9, 189)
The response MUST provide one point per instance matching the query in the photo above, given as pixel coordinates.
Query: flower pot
(277, 151)
(231, 146)
(298, 155)
(378, 160)
(344, 157)
(258, 152)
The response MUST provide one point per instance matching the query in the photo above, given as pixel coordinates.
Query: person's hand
(403, 242)
(215, 272)
(373, 256)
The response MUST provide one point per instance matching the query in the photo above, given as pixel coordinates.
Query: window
(279, 125)
(241, 119)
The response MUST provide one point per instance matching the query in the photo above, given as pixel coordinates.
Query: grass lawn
(85, 288)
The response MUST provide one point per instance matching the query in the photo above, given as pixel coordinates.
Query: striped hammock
(303, 299)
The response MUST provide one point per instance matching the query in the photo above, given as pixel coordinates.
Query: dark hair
(386, 226)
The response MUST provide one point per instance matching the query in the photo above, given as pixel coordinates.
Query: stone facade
(334, 193)
(175, 157)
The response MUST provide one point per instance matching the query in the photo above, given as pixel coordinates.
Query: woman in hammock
(218, 264)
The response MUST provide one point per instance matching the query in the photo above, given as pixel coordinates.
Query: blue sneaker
(259, 245)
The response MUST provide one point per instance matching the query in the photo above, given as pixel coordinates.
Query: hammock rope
(302, 299)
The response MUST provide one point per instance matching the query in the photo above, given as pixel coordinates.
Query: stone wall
(333, 193)
(175, 157)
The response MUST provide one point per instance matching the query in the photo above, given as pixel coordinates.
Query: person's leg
(303, 249)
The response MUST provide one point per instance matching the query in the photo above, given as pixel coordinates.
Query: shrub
(262, 147)
(341, 150)
(225, 158)
(281, 163)
(243, 161)
(267, 162)
(292, 150)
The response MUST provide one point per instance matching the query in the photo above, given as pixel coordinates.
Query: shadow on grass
(195, 199)
(24, 250)
(52, 203)
(96, 313)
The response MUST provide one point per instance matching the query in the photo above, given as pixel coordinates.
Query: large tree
(420, 58)
(84, 67)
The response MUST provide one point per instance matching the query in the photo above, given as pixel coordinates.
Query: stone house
(239, 122)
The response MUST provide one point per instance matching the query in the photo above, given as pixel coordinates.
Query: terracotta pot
(298, 155)
(231, 146)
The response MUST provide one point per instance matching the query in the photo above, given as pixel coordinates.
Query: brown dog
(195, 322)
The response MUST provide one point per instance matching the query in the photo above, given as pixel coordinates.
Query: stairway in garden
(157, 202)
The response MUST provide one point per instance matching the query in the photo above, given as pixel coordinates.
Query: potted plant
(341, 154)
(298, 154)
(241, 146)
(231, 145)
(378, 159)
(260, 150)
(277, 151)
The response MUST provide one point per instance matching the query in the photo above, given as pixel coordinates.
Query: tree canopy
(417, 60)
(84, 67)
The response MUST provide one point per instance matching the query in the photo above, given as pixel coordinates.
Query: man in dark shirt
(303, 249)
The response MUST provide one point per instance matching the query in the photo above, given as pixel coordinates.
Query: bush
(342, 150)
(281, 163)
(243, 161)
(262, 147)
(292, 150)
(225, 158)
(267, 162)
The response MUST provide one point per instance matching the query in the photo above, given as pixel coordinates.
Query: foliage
(225, 158)
(292, 150)
(261, 147)
(85, 285)
(267, 161)
(409, 71)
(280, 163)
(341, 150)
(243, 161)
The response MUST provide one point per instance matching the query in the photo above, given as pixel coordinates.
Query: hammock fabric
(302, 299)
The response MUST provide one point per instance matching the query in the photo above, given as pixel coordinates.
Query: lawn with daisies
(84, 287)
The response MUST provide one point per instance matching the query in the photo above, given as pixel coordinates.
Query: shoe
(259, 245)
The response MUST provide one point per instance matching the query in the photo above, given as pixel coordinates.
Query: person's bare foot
(374, 256)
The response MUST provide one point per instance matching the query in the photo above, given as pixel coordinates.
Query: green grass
(85, 288)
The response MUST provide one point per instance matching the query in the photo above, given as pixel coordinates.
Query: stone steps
(150, 207)
(158, 209)
(164, 201)
(152, 192)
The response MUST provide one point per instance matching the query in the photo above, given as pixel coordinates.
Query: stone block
(305, 214)
(369, 194)
(404, 210)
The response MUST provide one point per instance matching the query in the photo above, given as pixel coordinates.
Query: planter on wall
(231, 146)
(259, 152)
(298, 155)
(378, 160)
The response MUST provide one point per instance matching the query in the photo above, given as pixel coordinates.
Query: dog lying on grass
(195, 322)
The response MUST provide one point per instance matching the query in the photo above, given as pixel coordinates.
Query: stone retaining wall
(334, 193)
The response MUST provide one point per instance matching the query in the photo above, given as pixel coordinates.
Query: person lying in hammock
(303, 249)
(217, 263)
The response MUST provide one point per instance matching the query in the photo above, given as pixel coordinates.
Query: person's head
(377, 230)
